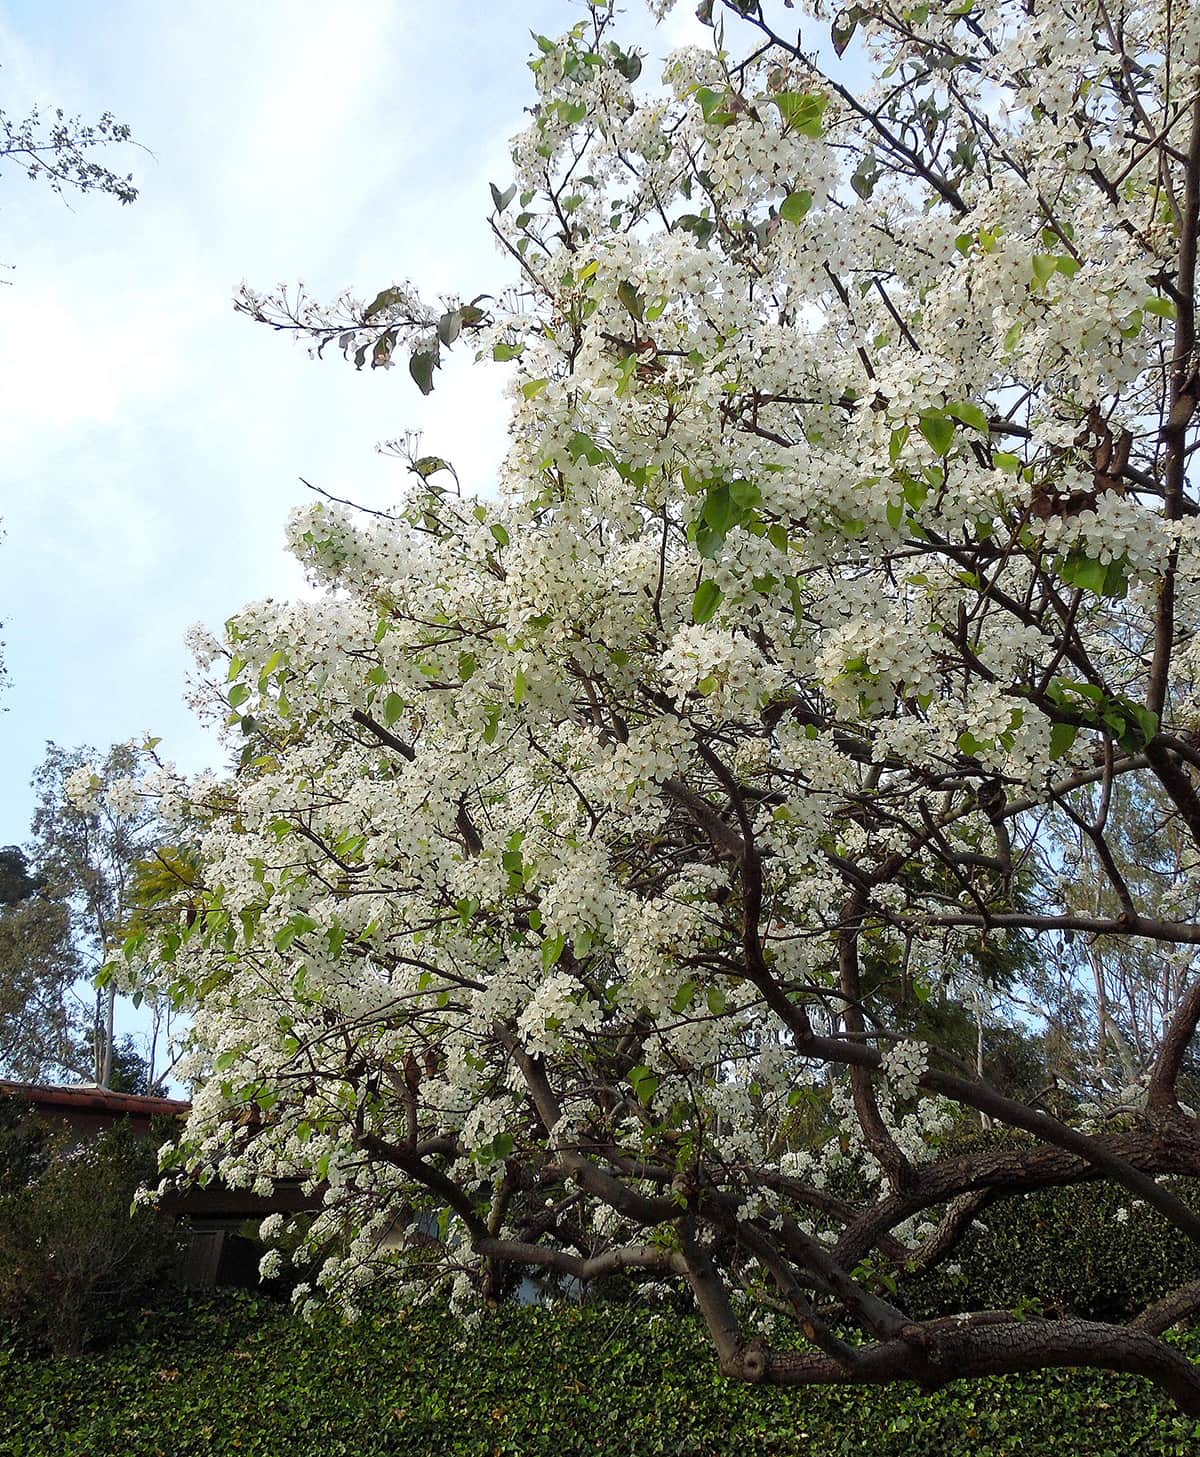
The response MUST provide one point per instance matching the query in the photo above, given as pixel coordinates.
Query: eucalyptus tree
(88, 846)
(41, 1031)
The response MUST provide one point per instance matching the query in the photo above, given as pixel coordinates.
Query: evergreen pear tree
(841, 577)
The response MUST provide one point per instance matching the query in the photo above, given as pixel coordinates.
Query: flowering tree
(587, 839)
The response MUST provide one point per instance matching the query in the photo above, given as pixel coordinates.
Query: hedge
(1088, 1249)
(240, 1374)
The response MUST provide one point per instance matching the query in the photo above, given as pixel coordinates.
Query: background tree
(87, 851)
(583, 840)
(41, 1036)
(64, 151)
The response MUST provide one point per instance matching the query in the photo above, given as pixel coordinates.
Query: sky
(151, 440)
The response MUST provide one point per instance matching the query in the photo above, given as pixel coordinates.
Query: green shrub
(25, 1146)
(239, 1374)
(74, 1259)
(1090, 1249)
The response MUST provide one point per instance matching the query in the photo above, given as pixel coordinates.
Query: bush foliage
(1088, 1250)
(74, 1260)
(238, 1374)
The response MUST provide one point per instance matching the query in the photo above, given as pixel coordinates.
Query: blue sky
(151, 441)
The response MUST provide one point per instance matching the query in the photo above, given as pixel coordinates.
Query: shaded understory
(239, 1374)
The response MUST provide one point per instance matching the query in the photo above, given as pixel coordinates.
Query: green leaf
(802, 111)
(450, 326)
(745, 494)
(1116, 578)
(393, 708)
(969, 414)
(715, 106)
(552, 950)
(583, 445)
(502, 199)
(515, 865)
(1062, 736)
(1045, 266)
(632, 299)
(1145, 721)
(1163, 307)
(684, 997)
(1105, 579)
(643, 1082)
(719, 511)
(864, 177)
(706, 601)
(238, 694)
(505, 352)
(842, 31)
(386, 299)
(499, 534)
(794, 207)
(520, 687)
(709, 542)
(628, 63)
(492, 726)
(533, 387)
(701, 227)
(298, 925)
(467, 663)
(715, 998)
(937, 429)
(421, 366)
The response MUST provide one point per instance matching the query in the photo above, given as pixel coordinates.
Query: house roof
(94, 1100)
